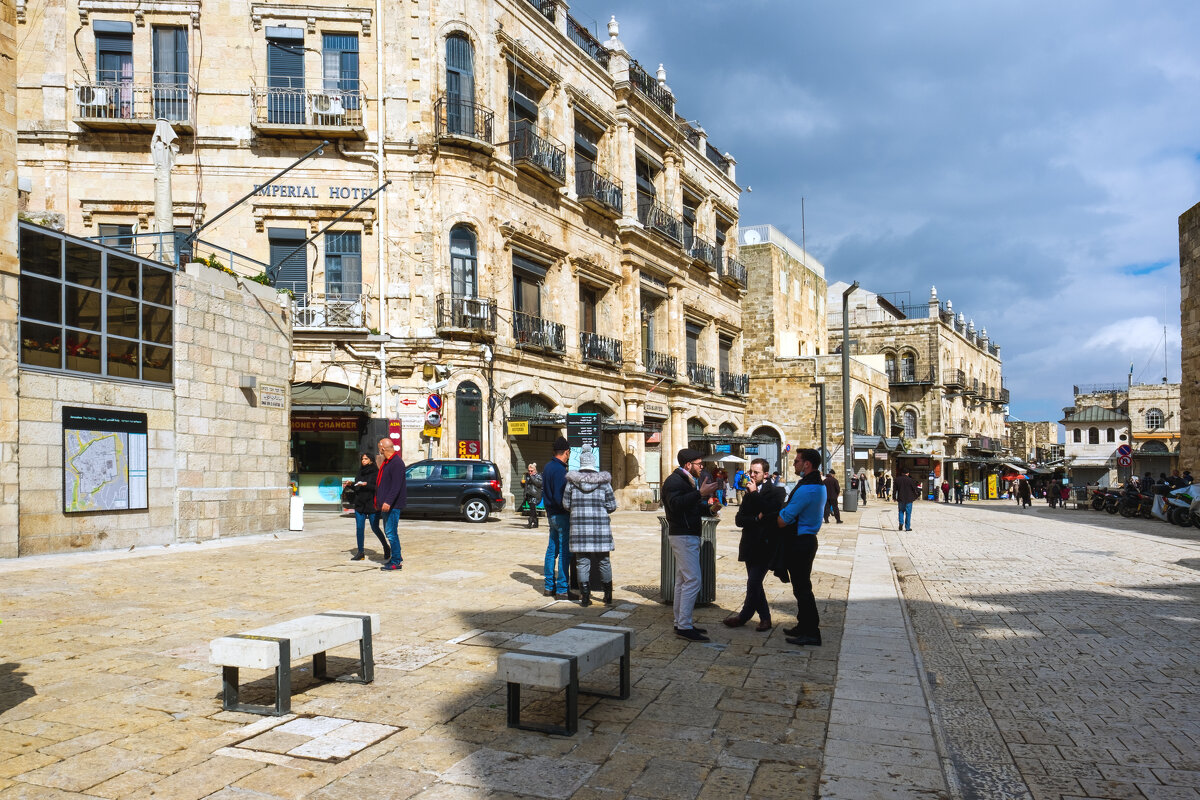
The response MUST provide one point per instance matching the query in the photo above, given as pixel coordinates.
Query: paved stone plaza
(1044, 654)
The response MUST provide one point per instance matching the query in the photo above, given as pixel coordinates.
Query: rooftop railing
(588, 43)
(546, 7)
(648, 85)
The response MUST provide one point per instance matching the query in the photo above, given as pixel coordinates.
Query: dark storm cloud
(1028, 159)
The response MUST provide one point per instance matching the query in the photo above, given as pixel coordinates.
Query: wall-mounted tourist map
(104, 460)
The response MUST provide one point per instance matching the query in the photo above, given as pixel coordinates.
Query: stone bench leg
(514, 701)
(366, 654)
(625, 681)
(283, 682)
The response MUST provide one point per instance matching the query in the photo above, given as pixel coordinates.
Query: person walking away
(832, 490)
(557, 568)
(532, 484)
(391, 495)
(757, 516)
(1024, 495)
(799, 522)
(1064, 494)
(907, 491)
(739, 484)
(589, 499)
(887, 487)
(958, 492)
(364, 507)
(864, 488)
(685, 500)
(722, 479)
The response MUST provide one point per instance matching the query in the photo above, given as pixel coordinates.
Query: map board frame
(130, 430)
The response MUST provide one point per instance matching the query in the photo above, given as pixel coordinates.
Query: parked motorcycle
(1177, 505)
(1134, 503)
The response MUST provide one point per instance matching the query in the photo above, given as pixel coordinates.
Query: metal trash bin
(850, 500)
(708, 562)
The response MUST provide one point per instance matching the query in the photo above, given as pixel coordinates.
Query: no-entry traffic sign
(1124, 461)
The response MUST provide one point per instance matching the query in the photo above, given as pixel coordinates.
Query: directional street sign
(408, 401)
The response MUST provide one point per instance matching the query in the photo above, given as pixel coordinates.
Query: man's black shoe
(691, 634)
(908, 529)
(814, 641)
(795, 630)
(698, 629)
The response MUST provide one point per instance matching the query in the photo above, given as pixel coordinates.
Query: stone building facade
(9, 272)
(785, 355)
(1189, 323)
(1153, 417)
(554, 237)
(1094, 434)
(206, 370)
(946, 385)
(1033, 442)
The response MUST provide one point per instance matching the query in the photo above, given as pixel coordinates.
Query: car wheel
(476, 510)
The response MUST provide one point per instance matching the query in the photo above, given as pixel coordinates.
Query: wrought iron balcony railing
(714, 155)
(955, 377)
(466, 313)
(455, 117)
(543, 153)
(657, 218)
(325, 108)
(539, 334)
(595, 186)
(701, 375)
(700, 249)
(546, 7)
(121, 103)
(648, 85)
(660, 363)
(735, 383)
(341, 305)
(905, 375)
(732, 270)
(1004, 396)
(599, 349)
(588, 43)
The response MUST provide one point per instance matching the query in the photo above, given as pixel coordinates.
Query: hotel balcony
(535, 333)
(600, 350)
(467, 122)
(701, 250)
(730, 270)
(602, 192)
(656, 218)
(955, 378)
(540, 156)
(902, 376)
(735, 384)
(128, 106)
(701, 375)
(660, 363)
(473, 315)
(342, 306)
(309, 113)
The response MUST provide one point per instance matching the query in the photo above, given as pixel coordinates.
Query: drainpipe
(847, 427)
(381, 205)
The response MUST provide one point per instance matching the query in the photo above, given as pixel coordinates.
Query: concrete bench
(556, 662)
(274, 647)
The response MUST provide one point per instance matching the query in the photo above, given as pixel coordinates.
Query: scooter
(1177, 505)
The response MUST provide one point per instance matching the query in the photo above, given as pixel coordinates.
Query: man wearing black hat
(558, 550)
(686, 502)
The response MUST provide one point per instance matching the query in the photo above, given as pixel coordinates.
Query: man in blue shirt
(799, 521)
(558, 549)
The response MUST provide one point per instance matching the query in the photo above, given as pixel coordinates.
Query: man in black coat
(686, 502)
(832, 490)
(757, 516)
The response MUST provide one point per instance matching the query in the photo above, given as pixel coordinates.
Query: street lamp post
(847, 427)
(820, 387)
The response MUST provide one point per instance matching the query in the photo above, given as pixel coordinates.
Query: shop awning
(731, 438)
(617, 426)
(309, 397)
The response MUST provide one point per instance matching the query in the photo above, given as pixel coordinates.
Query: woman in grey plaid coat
(590, 499)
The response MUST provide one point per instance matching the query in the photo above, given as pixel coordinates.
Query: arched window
(468, 413)
(908, 367)
(1077, 436)
(596, 408)
(460, 86)
(910, 424)
(860, 416)
(464, 278)
(1155, 447)
(695, 429)
(879, 424)
(1154, 418)
(529, 406)
(727, 429)
(1112, 435)
(1093, 436)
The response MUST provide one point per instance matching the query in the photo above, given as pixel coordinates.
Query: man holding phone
(686, 501)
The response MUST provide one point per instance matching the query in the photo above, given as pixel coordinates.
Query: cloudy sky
(1030, 159)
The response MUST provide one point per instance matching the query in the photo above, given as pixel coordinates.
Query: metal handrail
(701, 374)
(735, 383)
(334, 108)
(660, 363)
(592, 184)
(340, 305)
(171, 97)
(536, 332)
(588, 43)
(658, 218)
(601, 349)
(542, 152)
(700, 249)
(649, 86)
(546, 7)
(454, 117)
(466, 313)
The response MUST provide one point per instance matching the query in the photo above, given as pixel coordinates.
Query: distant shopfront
(329, 428)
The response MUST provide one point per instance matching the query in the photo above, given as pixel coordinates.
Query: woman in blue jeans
(364, 507)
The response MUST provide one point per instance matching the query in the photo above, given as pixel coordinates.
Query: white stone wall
(9, 335)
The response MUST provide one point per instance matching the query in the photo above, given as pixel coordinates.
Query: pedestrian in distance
(589, 499)
(739, 484)
(907, 492)
(532, 484)
(1064, 494)
(685, 500)
(757, 516)
(832, 490)
(945, 491)
(799, 522)
(391, 495)
(958, 492)
(864, 488)
(557, 569)
(363, 488)
(887, 487)
(1024, 494)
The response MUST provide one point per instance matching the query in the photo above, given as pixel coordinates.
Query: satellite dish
(751, 237)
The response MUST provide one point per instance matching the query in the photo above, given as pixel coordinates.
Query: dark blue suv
(454, 487)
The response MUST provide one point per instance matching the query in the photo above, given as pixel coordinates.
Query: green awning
(327, 397)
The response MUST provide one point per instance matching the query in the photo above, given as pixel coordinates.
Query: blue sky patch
(1145, 269)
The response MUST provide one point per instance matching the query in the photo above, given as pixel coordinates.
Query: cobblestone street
(1057, 658)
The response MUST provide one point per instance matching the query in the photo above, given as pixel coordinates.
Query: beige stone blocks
(1189, 320)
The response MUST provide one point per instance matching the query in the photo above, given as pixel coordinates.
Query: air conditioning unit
(91, 96)
(328, 105)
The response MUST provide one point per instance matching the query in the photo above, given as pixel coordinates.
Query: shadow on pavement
(13, 689)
